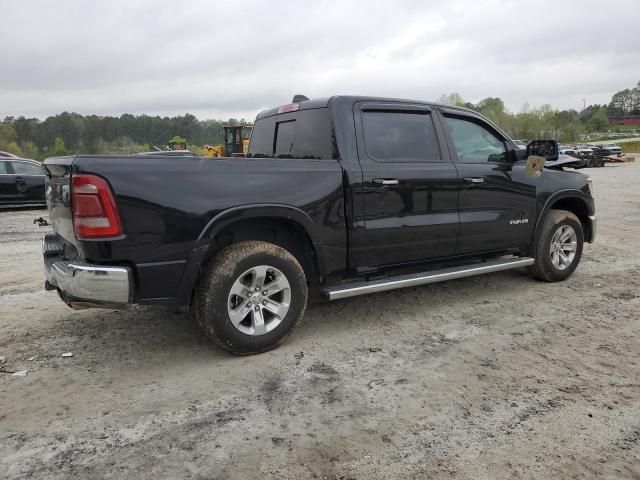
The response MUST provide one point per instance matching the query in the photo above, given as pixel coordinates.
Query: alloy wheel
(259, 300)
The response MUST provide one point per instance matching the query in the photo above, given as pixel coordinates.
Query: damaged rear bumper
(85, 285)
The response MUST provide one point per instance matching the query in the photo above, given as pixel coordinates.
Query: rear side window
(25, 168)
(400, 136)
(4, 167)
(301, 134)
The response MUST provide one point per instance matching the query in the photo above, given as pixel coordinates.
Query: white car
(585, 150)
(612, 147)
(566, 149)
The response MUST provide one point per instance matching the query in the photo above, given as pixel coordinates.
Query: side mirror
(547, 149)
(516, 155)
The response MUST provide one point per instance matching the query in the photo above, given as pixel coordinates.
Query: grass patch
(613, 139)
(622, 128)
(630, 147)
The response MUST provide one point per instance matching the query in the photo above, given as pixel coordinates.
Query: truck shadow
(361, 314)
(156, 335)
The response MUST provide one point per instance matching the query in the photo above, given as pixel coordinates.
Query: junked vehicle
(612, 147)
(337, 197)
(21, 181)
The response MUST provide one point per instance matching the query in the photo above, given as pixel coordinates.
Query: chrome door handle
(474, 180)
(385, 181)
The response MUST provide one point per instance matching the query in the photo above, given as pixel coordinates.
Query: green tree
(493, 108)
(452, 99)
(13, 147)
(30, 150)
(7, 135)
(58, 148)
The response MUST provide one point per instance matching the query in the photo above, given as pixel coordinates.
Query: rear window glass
(285, 138)
(400, 136)
(302, 134)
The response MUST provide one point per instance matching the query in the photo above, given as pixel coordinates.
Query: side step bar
(363, 288)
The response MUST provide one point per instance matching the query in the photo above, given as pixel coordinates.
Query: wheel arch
(284, 225)
(573, 201)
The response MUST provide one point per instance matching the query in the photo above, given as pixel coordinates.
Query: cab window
(473, 142)
(302, 134)
(391, 136)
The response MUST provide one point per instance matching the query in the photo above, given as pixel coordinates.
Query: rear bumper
(593, 227)
(85, 285)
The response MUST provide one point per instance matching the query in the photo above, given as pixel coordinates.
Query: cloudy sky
(235, 58)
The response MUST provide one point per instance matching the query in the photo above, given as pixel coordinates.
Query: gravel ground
(492, 377)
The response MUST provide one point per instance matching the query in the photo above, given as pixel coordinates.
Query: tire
(227, 289)
(555, 226)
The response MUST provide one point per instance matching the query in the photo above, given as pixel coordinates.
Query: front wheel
(251, 297)
(558, 248)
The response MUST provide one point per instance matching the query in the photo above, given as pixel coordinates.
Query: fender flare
(243, 212)
(554, 197)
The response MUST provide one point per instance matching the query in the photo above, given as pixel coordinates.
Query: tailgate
(58, 194)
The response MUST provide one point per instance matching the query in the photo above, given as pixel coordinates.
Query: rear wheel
(251, 297)
(558, 248)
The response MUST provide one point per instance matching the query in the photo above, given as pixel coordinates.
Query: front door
(409, 187)
(497, 202)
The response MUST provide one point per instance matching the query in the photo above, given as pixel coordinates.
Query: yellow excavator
(236, 142)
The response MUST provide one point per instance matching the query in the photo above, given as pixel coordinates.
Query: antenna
(299, 98)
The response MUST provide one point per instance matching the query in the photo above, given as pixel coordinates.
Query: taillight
(95, 214)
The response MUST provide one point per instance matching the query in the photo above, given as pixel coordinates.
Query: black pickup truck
(337, 197)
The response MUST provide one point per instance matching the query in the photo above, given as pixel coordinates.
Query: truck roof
(326, 101)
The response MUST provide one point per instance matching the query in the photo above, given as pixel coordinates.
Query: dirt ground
(492, 377)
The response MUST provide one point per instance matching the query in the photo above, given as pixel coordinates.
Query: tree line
(69, 133)
(567, 126)
(625, 102)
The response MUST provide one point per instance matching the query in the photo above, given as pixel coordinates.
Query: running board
(363, 288)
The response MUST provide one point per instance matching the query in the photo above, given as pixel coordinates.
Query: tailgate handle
(386, 182)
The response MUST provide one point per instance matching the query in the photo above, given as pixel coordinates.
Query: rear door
(409, 188)
(8, 188)
(29, 179)
(497, 201)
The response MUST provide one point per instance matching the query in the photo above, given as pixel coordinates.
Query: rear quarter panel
(166, 203)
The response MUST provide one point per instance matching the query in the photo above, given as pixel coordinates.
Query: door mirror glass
(547, 149)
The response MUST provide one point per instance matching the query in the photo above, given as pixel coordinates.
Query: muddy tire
(558, 248)
(251, 296)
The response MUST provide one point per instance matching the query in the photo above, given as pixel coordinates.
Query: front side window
(400, 136)
(475, 143)
(24, 168)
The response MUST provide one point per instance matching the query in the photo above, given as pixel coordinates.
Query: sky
(236, 58)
